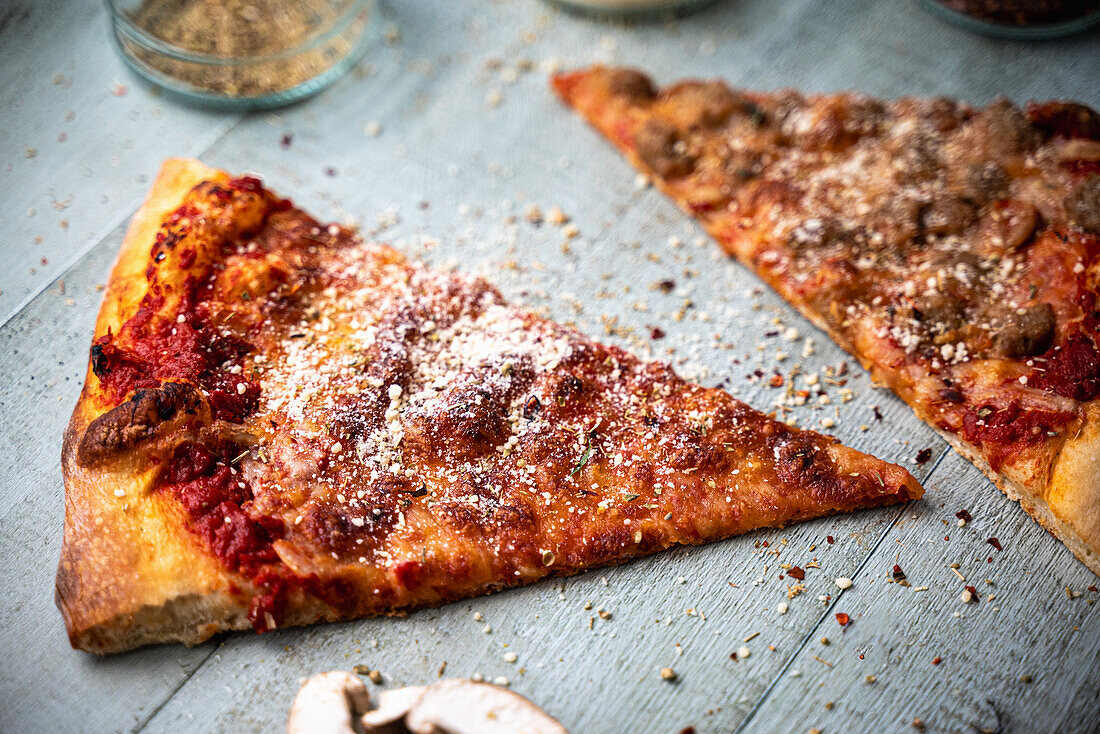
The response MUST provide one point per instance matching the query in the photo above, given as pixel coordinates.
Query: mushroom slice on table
(329, 703)
(338, 703)
(460, 706)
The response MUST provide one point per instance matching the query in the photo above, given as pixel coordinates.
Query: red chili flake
(765, 544)
(973, 592)
(776, 380)
(989, 559)
(995, 543)
(1092, 588)
(688, 730)
(829, 539)
(947, 537)
(963, 515)
(898, 574)
(797, 573)
(657, 333)
(923, 456)
(843, 619)
(937, 660)
(286, 140)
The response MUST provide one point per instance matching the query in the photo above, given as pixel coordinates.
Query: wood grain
(451, 175)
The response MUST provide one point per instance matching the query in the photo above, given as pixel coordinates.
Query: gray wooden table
(468, 138)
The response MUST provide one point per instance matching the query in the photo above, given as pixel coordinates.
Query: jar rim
(125, 25)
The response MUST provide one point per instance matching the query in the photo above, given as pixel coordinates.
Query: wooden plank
(1026, 651)
(478, 165)
(79, 138)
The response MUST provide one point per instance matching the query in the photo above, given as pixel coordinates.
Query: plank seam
(172, 694)
(836, 600)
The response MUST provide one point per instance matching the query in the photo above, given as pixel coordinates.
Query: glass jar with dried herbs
(242, 54)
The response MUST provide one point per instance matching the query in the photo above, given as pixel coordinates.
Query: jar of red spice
(1019, 19)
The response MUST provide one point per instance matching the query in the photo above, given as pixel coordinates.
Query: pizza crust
(128, 573)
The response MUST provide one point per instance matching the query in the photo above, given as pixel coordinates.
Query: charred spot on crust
(135, 420)
(663, 149)
(1024, 332)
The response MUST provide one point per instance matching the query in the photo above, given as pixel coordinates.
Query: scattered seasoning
(1025, 678)
(843, 582)
(963, 515)
(829, 539)
(826, 662)
(937, 660)
(361, 669)
(968, 595)
(797, 573)
(995, 543)
(923, 456)
(870, 679)
(668, 674)
(842, 619)
(918, 724)
(743, 652)
(898, 574)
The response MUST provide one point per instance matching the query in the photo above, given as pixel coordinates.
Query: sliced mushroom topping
(1024, 332)
(704, 104)
(986, 181)
(630, 84)
(1079, 149)
(1007, 130)
(328, 704)
(466, 707)
(1007, 227)
(948, 215)
(939, 312)
(1083, 204)
(662, 149)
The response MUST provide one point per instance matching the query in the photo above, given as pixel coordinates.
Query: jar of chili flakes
(1019, 19)
(241, 54)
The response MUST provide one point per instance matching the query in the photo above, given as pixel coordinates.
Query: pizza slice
(282, 423)
(953, 250)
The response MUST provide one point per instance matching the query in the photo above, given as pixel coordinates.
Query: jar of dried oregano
(242, 54)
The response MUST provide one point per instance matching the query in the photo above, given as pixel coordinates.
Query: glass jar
(631, 7)
(242, 54)
(1019, 19)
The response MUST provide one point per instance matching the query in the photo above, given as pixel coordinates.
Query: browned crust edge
(129, 572)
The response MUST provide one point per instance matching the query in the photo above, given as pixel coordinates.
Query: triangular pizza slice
(953, 250)
(283, 423)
